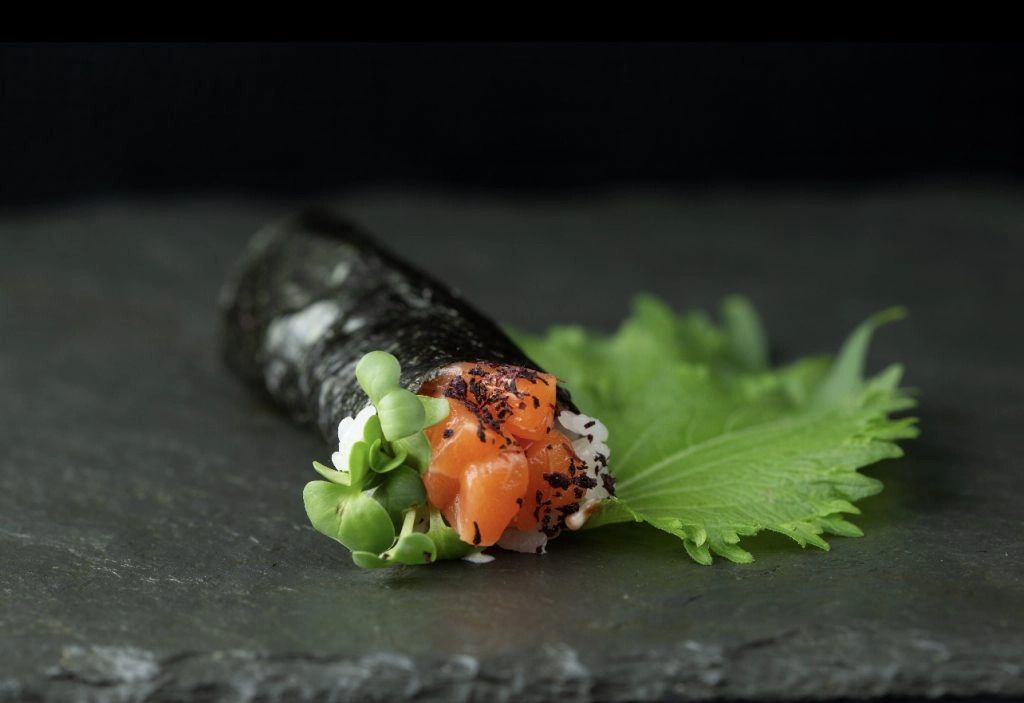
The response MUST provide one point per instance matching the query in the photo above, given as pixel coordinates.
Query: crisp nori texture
(374, 301)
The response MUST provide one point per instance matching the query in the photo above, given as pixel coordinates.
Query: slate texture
(153, 543)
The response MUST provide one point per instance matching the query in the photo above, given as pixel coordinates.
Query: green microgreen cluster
(375, 504)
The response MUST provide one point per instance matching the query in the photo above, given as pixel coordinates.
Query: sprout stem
(409, 522)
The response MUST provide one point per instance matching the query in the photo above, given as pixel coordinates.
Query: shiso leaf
(846, 375)
(747, 341)
(710, 445)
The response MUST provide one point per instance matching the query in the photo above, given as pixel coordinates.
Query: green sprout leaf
(332, 475)
(381, 490)
(348, 516)
(401, 490)
(401, 414)
(445, 539)
(378, 373)
(324, 502)
(365, 525)
(382, 462)
(417, 450)
(359, 464)
(369, 560)
(434, 410)
(372, 430)
(413, 549)
(710, 445)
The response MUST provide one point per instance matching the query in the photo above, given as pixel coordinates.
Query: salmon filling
(500, 460)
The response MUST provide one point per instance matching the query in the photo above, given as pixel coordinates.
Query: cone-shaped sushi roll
(449, 439)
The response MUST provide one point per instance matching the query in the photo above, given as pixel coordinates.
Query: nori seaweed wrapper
(313, 294)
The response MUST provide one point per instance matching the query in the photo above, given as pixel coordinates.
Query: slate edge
(810, 663)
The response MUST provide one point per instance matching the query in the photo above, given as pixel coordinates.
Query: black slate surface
(153, 542)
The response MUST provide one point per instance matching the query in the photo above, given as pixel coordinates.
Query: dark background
(78, 120)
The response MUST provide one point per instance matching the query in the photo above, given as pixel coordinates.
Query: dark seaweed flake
(557, 479)
(585, 481)
(457, 388)
(609, 483)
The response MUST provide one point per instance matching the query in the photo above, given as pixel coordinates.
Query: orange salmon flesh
(498, 459)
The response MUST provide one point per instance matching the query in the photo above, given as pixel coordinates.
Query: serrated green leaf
(744, 333)
(847, 373)
(709, 445)
(836, 525)
(609, 512)
(700, 553)
(732, 552)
